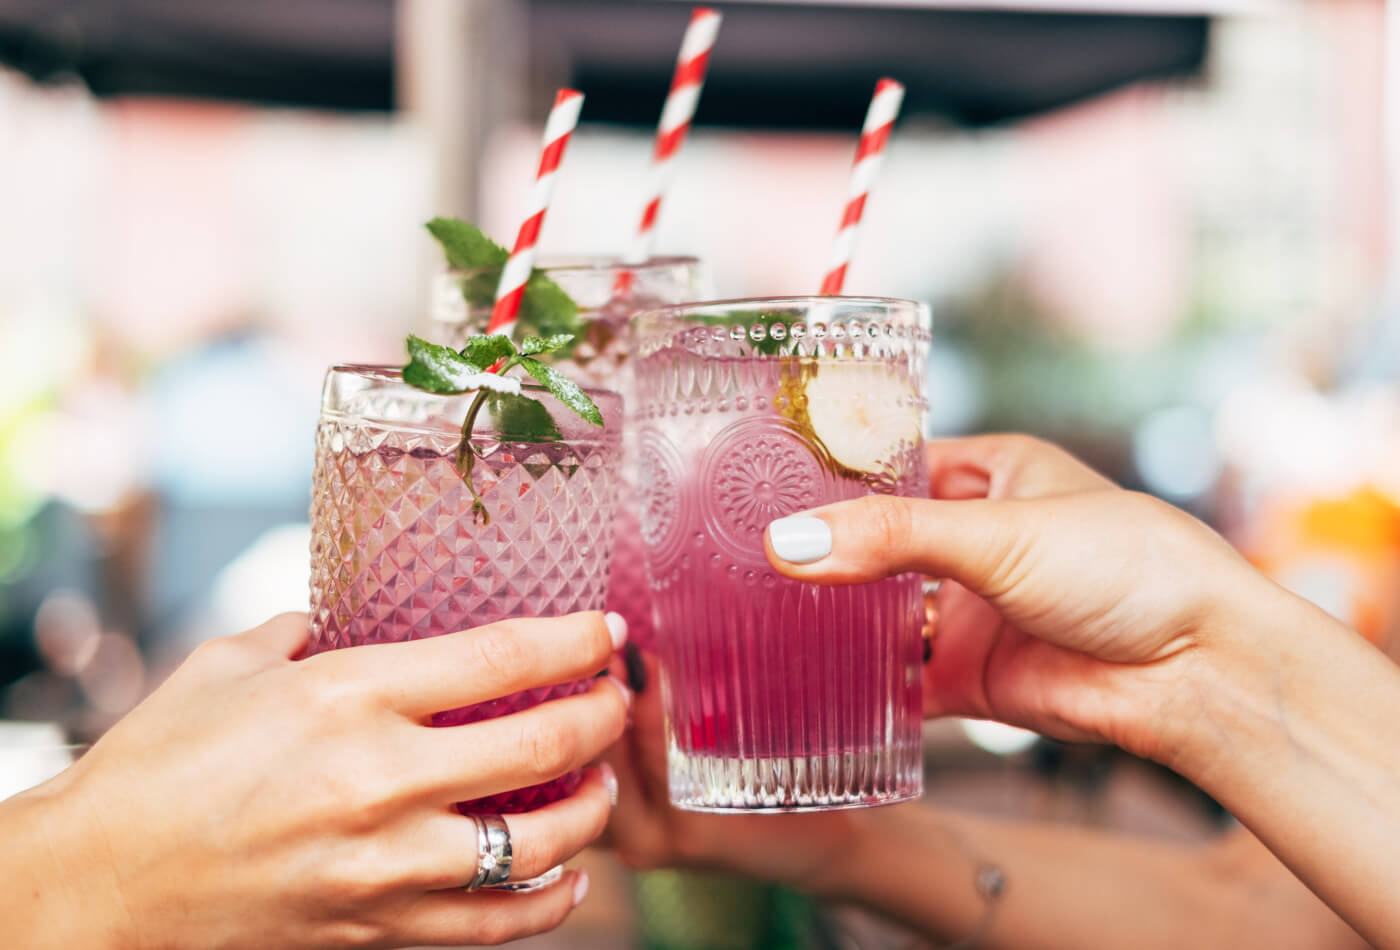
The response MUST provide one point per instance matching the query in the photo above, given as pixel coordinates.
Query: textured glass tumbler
(780, 695)
(608, 294)
(396, 553)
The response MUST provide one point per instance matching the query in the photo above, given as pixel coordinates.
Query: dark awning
(776, 65)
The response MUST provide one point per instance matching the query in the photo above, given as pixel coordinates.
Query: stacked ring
(493, 852)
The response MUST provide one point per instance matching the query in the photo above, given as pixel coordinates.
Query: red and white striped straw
(509, 292)
(676, 114)
(884, 109)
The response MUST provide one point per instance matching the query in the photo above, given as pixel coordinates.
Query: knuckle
(549, 751)
(330, 690)
(890, 522)
(358, 800)
(358, 877)
(220, 653)
(537, 853)
(501, 653)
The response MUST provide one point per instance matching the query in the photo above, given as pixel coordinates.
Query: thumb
(974, 542)
(285, 635)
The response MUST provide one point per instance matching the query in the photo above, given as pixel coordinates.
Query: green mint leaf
(563, 388)
(546, 310)
(522, 418)
(484, 351)
(533, 345)
(437, 369)
(466, 247)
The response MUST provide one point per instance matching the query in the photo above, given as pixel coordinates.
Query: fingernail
(636, 668)
(580, 887)
(800, 539)
(617, 628)
(622, 688)
(609, 782)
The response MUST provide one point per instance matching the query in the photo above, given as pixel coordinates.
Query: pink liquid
(779, 694)
(397, 555)
(629, 590)
(602, 360)
(799, 671)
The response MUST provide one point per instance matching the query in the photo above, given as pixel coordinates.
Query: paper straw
(557, 129)
(884, 108)
(676, 114)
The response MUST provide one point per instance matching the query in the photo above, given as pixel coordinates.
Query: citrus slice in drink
(862, 412)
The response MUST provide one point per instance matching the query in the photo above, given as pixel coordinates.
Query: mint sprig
(545, 310)
(442, 370)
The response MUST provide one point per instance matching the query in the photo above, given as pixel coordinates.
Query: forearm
(47, 872)
(1292, 727)
(1069, 888)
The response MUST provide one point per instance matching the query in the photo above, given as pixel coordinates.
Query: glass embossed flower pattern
(781, 695)
(760, 469)
(659, 494)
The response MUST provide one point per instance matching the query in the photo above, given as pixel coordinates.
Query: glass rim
(387, 380)
(588, 263)
(674, 311)
(392, 373)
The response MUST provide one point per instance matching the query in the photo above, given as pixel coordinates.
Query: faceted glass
(397, 554)
(608, 293)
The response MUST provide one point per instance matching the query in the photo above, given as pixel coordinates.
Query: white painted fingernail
(622, 688)
(617, 628)
(800, 539)
(609, 782)
(580, 888)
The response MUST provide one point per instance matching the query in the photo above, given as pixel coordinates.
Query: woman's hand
(253, 801)
(805, 851)
(1084, 612)
(1074, 608)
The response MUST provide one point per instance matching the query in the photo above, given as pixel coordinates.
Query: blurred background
(1156, 231)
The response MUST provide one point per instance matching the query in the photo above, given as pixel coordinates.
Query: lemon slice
(864, 413)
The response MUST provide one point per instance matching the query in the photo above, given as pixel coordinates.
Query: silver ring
(493, 851)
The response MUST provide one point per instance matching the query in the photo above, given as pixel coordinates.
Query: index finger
(422, 677)
(1006, 466)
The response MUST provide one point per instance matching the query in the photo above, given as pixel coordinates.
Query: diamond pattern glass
(398, 555)
(601, 359)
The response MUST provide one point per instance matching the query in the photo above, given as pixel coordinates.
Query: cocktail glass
(608, 293)
(397, 554)
(780, 695)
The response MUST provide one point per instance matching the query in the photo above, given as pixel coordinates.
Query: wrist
(1228, 700)
(66, 894)
(856, 847)
(808, 853)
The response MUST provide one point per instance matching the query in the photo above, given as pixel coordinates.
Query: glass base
(533, 884)
(725, 784)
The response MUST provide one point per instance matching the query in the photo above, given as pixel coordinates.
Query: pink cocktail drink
(398, 555)
(608, 294)
(780, 695)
